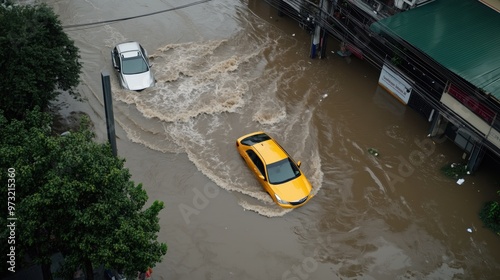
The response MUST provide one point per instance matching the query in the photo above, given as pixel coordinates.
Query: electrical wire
(345, 34)
(420, 61)
(139, 16)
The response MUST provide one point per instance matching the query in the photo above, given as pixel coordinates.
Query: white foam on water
(264, 210)
(315, 175)
(114, 37)
(191, 80)
(208, 94)
(269, 110)
(375, 179)
(270, 115)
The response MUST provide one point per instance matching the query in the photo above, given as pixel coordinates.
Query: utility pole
(324, 11)
(108, 108)
(319, 34)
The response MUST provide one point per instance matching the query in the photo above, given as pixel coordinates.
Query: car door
(116, 59)
(257, 166)
(146, 58)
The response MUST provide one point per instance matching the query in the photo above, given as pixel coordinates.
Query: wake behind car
(275, 170)
(132, 64)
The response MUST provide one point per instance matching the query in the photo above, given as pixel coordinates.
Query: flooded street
(227, 68)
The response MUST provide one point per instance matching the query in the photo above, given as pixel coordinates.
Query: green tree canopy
(77, 198)
(37, 59)
(72, 195)
(24, 146)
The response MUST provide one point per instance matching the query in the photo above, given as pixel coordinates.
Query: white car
(132, 63)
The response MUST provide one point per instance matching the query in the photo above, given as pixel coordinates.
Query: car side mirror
(262, 177)
(299, 163)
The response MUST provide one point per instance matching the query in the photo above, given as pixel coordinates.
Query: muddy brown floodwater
(226, 68)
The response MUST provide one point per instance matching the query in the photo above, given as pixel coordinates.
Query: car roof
(128, 46)
(270, 151)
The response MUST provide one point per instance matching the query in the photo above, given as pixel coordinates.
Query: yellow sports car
(275, 170)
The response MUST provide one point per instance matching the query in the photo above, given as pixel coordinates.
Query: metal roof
(461, 35)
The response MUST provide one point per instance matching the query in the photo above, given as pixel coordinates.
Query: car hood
(293, 190)
(138, 81)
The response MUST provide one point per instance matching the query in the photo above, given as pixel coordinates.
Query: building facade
(439, 57)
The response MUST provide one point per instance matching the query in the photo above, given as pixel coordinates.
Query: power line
(139, 16)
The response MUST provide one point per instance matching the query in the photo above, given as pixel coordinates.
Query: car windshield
(282, 171)
(134, 65)
(255, 139)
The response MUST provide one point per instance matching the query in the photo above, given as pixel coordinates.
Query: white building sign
(394, 84)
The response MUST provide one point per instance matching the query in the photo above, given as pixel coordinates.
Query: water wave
(208, 94)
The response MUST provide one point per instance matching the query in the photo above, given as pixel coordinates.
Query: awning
(461, 35)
